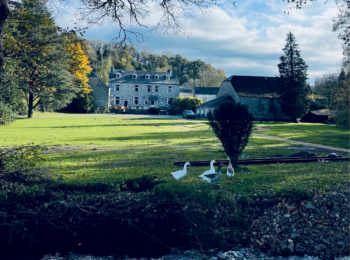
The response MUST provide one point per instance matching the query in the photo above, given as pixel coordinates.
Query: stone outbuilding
(262, 97)
(205, 93)
(260, 94)
(186, 90)
(142, 89)
(100, 91)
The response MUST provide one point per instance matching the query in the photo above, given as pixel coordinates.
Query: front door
(125, 104)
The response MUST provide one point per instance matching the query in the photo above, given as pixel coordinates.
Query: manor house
(142, 89)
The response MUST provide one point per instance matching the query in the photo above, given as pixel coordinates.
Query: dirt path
(326, 147)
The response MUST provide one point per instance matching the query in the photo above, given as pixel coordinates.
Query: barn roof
(206, 90)
(255, 86)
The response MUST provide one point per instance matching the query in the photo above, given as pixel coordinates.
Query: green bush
(342, 119)
(153, 110)
(84, 103)
(172, 111)
(7, 116)
(187, 103)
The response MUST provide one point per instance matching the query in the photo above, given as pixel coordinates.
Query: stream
(242, 254)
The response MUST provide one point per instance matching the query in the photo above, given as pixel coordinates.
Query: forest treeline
(196, 73)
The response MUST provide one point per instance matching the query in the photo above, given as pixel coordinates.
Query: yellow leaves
(78, 65)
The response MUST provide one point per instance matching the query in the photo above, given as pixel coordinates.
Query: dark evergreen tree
(293, 76)
(232, 124)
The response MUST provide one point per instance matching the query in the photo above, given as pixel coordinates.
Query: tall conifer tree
(293, 76)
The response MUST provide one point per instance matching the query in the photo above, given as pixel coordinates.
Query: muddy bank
(149, 223)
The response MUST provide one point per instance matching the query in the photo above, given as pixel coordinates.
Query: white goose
(230, 170)
(213, 177)
(178, 175)
(211, 170)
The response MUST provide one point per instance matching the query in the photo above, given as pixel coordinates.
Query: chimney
(111, 75)
(174, 74)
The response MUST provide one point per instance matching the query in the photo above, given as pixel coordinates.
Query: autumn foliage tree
(47, 66)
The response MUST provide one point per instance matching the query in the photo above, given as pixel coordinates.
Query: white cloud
(249, 38)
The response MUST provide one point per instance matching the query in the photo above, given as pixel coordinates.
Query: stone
(278, 230)
(294, 236)
(341, 244)
(254, 233)
(310, 206)
(287, 216)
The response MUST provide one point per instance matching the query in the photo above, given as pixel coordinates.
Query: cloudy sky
(247, 39)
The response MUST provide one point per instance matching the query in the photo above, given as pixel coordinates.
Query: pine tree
(232, 124)
(293, 76)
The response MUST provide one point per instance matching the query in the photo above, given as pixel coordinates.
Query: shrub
(342, 119)
(187, 103)
(153, 110)
(172, 111)
(101, 110)
(84, 103)
(232, 124)
(7, 116)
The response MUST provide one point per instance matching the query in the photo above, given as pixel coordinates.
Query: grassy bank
(308, 132)
(117, 170)
(114, 149)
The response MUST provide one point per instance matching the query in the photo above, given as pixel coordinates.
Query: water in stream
(242, 254)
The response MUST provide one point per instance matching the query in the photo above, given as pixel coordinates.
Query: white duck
(230, 170)
(211, 170)
(178, 175)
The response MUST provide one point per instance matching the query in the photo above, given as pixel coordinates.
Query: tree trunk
(4, 11)
(30, 105)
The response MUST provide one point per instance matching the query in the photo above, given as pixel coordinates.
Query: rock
(294, 236)
(278, 230)
(326, 241)
(300, 249)
(291, 247)
(287, 216)
(239, 196)
(310, 206)
(254, 233)
(341, 244)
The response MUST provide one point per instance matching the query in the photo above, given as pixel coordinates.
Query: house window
(170, 89)
(136, 88)
(169, 101)
(156, 89)
(156, 77)
(118, 75)
(152, 102)
(134, 76)
(159, 102)
(167, 77)
(117, 100)
(146, 76)
(136, 100)
(146, 102)
(118, 88)
(149, 88)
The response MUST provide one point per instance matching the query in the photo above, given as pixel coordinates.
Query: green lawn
(309, 132)
(113, 149)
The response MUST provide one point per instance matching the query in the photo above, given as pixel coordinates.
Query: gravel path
(326, 147)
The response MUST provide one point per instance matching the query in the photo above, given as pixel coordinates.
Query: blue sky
(244, 40)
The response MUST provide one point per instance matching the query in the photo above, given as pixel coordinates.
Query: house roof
(255, 86)
(185, 86)
(206, 90)
(323, 112)
(126, 77)
(314, 95)
(216, 102)
(98, 82)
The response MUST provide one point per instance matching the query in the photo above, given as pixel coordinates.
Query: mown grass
(309, 132)
(114, 149)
